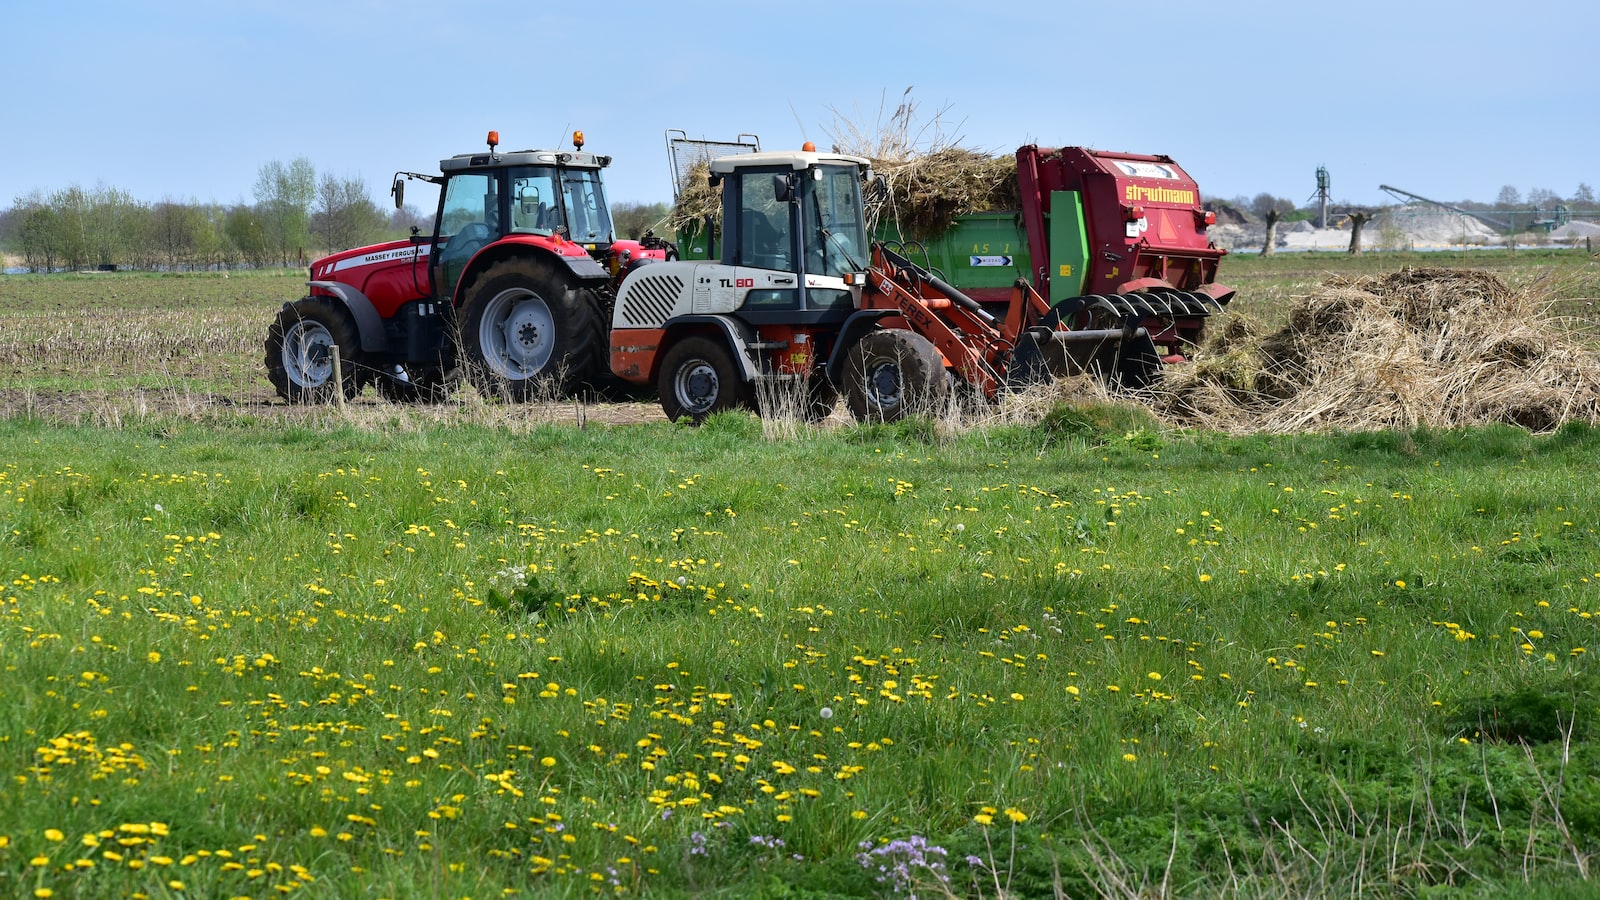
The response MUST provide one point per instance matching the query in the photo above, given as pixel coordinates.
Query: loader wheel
(300, 352)
(698, 378)
(821, 397)
(893, 373)
(528, 330)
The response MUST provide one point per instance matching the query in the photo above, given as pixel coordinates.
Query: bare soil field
(117, 348)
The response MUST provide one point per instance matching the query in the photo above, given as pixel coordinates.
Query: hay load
(1420, 347)
(927, 191)
(931, 179)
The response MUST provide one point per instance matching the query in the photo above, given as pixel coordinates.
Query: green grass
(246, 655)
(461, 651)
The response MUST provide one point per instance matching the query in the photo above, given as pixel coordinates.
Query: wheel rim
(518, 334)
(884, 385)
(308, 354)
(696, 387)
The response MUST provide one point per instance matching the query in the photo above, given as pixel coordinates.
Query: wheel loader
(512, 289)
(793, 300)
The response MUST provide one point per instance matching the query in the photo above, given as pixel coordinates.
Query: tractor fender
(853, 330)
(369, 325)
(583, 268)
(737, 334)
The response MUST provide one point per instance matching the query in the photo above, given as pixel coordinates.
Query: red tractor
(513, 289)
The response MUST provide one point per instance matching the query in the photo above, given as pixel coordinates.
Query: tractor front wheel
(893, 373)
(527, 328)
(300, 347)
(698, 378)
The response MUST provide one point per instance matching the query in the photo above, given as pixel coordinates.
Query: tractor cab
(485, 197)
(793, 228)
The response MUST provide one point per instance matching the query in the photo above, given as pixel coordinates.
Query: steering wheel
(466, 242)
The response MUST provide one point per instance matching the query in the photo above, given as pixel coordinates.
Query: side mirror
(783, 188)
(399, 192)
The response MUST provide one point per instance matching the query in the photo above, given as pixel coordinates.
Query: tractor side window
(588, 217)
(469, 218)
(764, 233)
(469, 200)
(535, 201)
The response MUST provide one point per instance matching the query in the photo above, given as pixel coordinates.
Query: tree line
(296, 216)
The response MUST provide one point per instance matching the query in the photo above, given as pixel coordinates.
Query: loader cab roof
(799, 160)
(576, 159)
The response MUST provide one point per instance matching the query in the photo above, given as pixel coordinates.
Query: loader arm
(978, 346)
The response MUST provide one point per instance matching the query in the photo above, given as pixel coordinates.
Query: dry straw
(931, 179)
(1419, 347)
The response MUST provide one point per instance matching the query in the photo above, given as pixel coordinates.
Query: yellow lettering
(1134, 194)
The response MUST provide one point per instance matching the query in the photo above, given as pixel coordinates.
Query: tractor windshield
(835, 236)
(588, 219)
(545, 199)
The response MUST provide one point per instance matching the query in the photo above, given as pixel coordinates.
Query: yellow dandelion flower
(1016, 815)
(54, 835)
(983, 819)
(1130, 757)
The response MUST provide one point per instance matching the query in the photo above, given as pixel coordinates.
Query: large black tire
(300, 351)
(821, 397)
(528, 330)
(893, 373)
(697, 378)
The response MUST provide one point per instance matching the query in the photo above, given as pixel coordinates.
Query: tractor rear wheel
(300, 347)
(893, 373)
(528, 330)
(698, 377)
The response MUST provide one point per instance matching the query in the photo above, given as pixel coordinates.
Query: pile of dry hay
(926, 191)
(697, 198)
(1419, 347)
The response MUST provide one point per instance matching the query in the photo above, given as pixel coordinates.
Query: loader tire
(698, 377)
(300, 351)
(822, 396)
(893, 373)
(528, 331)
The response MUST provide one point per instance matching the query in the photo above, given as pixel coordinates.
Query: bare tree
(1270, 245)
(283, 206)
(345, 215)
(1358, 221)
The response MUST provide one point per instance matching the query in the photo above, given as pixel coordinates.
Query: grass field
(397, 653)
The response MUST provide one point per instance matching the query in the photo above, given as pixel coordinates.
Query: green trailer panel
(1069, 244)
(980, 250)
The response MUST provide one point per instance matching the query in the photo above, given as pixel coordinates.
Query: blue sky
(187, 100)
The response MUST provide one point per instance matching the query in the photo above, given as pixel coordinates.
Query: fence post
(338, 376)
